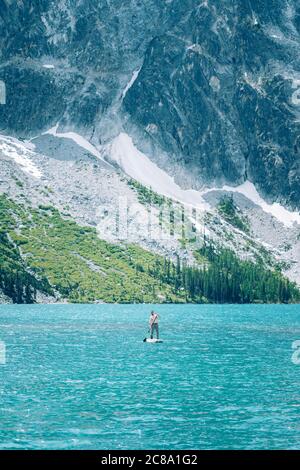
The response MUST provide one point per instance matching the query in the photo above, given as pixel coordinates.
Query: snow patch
(139, 167)
(52, 131)
(20, 144)
(286, 217)
(255, 84)
(131, 82)
(20, 152)
(195, 48)
(215, 83)
(78, 139)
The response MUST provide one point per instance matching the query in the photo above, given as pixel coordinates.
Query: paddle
(145, 339)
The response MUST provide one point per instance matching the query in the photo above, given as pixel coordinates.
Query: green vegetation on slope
(226, 278)
(80, 266)
(83, 268)
(15, 280)
(232, 214)
(171, 213)
(146, 195)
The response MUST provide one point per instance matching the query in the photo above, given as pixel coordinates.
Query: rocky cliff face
(216, 82)
(217, 91)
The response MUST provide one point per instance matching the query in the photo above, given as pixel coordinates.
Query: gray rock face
(93, 46)
(217, 90)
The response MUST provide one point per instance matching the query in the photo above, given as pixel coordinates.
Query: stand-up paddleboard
(154, 340)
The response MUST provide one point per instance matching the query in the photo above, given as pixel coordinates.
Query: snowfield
(139, 167)
(283, 215)
(20, 152)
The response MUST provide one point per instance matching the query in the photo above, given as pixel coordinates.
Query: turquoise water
(80, 377)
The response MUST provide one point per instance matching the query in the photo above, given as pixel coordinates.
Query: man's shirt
(153, 319)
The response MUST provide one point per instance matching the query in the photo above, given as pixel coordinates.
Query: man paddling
(153, 323)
